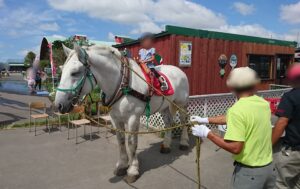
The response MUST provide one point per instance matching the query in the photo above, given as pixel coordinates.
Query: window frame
(271, 67)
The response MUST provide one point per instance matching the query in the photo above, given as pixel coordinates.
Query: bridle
(76, 90)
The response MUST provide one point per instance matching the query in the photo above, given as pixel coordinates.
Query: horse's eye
(75, 73)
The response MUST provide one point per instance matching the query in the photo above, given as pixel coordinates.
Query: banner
(53, 68)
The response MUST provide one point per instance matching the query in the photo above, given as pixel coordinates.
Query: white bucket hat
(242, 77)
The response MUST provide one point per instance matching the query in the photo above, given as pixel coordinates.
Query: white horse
(105, 63)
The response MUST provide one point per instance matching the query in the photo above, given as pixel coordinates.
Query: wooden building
(199, 52)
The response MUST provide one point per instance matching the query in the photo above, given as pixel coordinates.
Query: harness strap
(117, 94)
(136, 94)
(124, 88)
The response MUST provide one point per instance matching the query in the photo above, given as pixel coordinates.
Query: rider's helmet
(294, 72)
(146, 35)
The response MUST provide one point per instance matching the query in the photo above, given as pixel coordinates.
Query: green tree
(44, 64)
(29, 59)
(69, 42)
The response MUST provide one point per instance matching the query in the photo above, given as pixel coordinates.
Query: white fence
(210, 105)
(276, 86)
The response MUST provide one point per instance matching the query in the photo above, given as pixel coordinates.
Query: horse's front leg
(168, 120)
(122, 164)
(133, 170)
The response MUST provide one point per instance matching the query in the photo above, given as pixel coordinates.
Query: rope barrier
(137, 132)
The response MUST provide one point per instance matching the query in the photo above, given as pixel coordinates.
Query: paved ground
(53, 162)
(14, 107)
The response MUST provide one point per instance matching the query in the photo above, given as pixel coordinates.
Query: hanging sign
(222, 63)
(233, 61)
(185, 53)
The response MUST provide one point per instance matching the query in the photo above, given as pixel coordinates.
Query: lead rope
(198, 150)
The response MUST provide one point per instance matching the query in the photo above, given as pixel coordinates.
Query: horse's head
(76, 79)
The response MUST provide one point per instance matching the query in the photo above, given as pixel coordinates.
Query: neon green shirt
(249, 121)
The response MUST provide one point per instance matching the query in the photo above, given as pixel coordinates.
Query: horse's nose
(60, 107)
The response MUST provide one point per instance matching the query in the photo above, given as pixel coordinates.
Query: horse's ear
(66, 50)
(81, 53)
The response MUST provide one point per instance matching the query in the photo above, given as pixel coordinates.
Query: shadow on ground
(157, 159)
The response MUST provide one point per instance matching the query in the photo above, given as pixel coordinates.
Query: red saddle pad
(156, 84)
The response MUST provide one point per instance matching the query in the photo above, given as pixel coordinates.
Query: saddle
(151, 79)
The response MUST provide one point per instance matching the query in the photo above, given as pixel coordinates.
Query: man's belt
(294, 148)
(235, 163)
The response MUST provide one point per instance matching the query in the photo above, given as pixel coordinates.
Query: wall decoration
(222, 63)
(185, 53)
(233, 61)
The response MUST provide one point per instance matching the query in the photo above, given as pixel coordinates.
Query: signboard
(185, 53)
(233, 61)
(297, 55)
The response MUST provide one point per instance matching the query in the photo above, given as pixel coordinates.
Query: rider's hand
(201, 120)
(200, 131)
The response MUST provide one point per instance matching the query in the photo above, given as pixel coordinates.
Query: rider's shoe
(163, 84)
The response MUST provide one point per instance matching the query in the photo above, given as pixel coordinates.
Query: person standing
(38, 79)
(248, 135)
(288, 163)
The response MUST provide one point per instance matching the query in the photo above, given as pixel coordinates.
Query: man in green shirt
(248, 135)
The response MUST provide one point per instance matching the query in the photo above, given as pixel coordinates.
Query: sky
(24, 23)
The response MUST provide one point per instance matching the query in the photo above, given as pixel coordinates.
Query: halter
(76, 90)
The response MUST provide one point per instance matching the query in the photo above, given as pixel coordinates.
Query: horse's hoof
(164, 150)
(120, 171)
(131, 178)
(183, 147)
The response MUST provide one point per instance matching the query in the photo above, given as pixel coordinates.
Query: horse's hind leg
(184, 139)
(168, 120)
(122, 164)
(133, 170)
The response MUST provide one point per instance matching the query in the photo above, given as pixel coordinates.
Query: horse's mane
(98, 48)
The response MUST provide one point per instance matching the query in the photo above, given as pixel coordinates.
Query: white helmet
(242, 77)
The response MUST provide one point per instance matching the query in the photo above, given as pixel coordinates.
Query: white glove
(201, 120)
(200, 131)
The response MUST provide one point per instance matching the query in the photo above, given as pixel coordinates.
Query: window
(262, 64)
